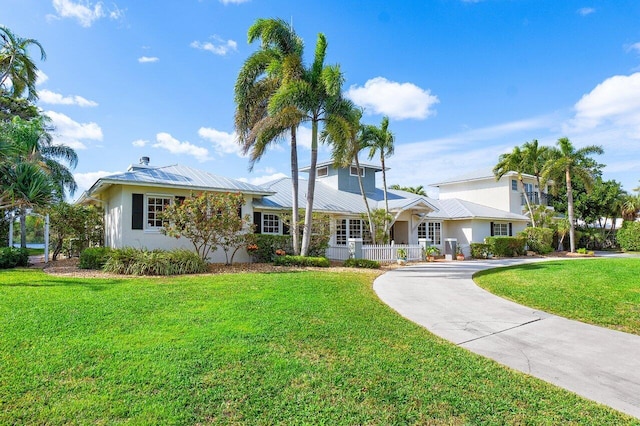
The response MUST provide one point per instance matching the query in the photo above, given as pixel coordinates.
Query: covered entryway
(400, 232)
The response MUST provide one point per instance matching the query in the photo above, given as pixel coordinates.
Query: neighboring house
(133, 200)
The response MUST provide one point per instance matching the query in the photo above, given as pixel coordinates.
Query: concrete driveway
(600, 364)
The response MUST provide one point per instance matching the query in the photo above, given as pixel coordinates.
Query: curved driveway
(600, 364)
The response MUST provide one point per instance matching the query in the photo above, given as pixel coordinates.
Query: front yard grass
(604, 292)
(271, 348)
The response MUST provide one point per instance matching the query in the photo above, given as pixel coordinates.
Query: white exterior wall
(474, 231)
(487, 192)
(120, 234)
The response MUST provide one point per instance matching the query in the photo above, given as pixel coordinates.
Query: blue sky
(462, 81)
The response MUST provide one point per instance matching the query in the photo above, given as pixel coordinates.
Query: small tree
(70, 221)
(209, 220)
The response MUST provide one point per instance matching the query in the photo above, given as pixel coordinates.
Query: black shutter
(240, 211)
(510, 229)
(137, 211)
(492, 229)
(257, 221)
(286, 230)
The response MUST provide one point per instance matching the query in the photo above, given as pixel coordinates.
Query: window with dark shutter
(257, 221)
(491, 229)
(510, 229)
(137, 211)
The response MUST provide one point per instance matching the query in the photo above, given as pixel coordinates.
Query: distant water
(31, 245)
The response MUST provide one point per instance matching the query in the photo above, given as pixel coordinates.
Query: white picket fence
(381, 253)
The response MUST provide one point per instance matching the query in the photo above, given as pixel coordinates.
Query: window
(341, 232)
(270, 223)
(431, 231)
(353, 171)
(322, 171)
(422, 230)
(155, 207)
(352, 228)
(528, 188)
(501, 229)
(514, 185)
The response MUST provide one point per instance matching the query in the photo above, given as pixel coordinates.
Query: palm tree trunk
(295, 234)
(366, 201)
(308, 214)
(23, 227)
(386, 200)
(526, 198)
(572, 229)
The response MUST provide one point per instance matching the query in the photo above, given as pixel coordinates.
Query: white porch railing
(380, 253)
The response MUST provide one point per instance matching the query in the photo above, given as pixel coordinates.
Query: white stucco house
(469, 209)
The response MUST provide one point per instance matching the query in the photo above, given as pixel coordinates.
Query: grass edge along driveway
(600, 291)
(285, 348)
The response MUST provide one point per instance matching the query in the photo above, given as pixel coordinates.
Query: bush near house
(362, 263)
(94, 257)
(285, 260)
(11, 257)
(539, 240)
(479, 250)
(629, 236)
(506, 246)
(131, 261)
(262, 247)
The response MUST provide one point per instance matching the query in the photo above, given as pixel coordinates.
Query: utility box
(450, 247)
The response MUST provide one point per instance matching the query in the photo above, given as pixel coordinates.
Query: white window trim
(501, 225)
(351, 173)
(325, 170)
(516, 188)
(279, 232)
(148, 228)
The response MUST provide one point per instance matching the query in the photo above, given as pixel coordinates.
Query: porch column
(355, 248)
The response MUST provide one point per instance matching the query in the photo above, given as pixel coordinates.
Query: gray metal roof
(178, 176)
(478, 174)
(456, 209)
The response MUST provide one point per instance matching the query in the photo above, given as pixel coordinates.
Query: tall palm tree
(319, 96)
(278, 61)
(380, 141)
(535, 157)
(514, 161)
(345, 137)
(567, 162)
(16, 66)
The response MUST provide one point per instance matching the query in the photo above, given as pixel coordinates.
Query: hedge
(479, 250)
(539, 240)
(629, 236)
(10, 257)
(362, 263)
(266, 246)
(506, 246)
(301, 261)
(130, 261)
(94, 257)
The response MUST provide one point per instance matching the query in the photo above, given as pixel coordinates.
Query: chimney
(144, 161)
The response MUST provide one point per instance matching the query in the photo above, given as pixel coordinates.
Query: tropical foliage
(418, 190)
(18, 71)
(71, 223)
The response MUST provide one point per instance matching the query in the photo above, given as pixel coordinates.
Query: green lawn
(289, 348)
(605, 292)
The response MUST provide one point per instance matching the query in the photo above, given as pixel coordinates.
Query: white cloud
(71, 133)
(633, 47)
(49, 97)
(397, 100)
(174, 146)
(223, 142)
(140, 143)
(148, 59)
(259, 180)
(233, 1)
(616, 100)
(219, 46)
(86, 180)
(85, 12)
(41, 77)
(584, 11)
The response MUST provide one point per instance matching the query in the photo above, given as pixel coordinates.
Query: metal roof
(330, 163)
(178, 176)
(478, 174)
(456, 209)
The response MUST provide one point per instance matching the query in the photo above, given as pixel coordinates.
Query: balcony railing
(536, 198)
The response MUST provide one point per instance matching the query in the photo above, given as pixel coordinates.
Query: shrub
(130, 261)
(10, 257)
(362, 263)
(94, 257)
(629, 236)
(506, 246)
(539, 240)
(479, 250)
(322, 262)
(266, 246)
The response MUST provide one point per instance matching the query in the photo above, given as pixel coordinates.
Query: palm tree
(278, 61)
(630, 207)
(380, 140)
(567, 162)
(515, 161)
(535, 157)
(418, 190)
(318, 95)
(16, 66)
(345, 137)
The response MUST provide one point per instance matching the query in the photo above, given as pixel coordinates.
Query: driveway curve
(600, 364)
